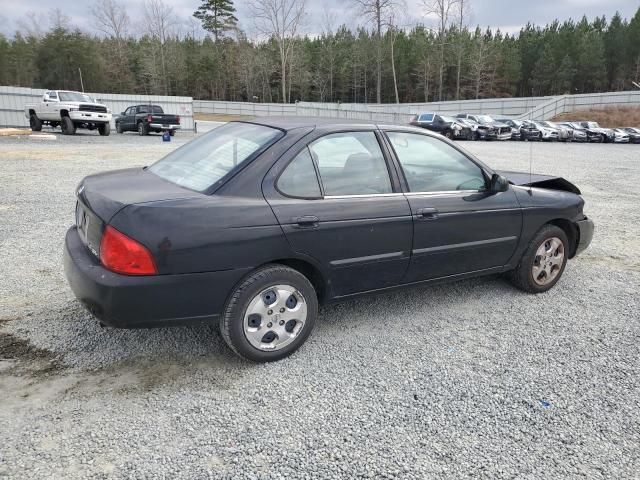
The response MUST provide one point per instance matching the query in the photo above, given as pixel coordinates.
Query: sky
(508, 15)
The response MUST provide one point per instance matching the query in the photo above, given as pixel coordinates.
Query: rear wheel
(104, 129)
(68, 128)
(142, 129)
(172, 132)
(270, 314)
(35, 123)
(543, 262)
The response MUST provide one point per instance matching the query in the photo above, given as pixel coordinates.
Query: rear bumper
(124, 301)
(585, 230)
(162, 126)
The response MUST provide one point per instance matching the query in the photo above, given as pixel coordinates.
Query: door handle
(427, 214)
(307, 221)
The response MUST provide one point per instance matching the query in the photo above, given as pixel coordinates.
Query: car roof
(291, 123)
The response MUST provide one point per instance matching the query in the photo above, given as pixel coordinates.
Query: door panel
(364, 243)
(462, 232)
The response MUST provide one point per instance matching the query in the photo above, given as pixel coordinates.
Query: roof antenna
(530, 156)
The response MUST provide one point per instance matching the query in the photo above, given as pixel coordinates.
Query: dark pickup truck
(147, 118)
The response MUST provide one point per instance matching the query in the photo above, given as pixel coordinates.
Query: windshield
(204, 161)
(592, 124)
(484, 118)
(75, 97)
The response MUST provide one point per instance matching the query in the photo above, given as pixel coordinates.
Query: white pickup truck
(69, 110)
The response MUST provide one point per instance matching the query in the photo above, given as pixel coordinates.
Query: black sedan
(256, 223)
(444, 125)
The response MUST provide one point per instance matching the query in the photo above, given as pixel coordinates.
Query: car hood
(107, 193)
(494, 124)
(540, 181)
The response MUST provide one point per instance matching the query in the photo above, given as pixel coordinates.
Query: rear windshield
(201, 163)
(427, 117)
(150, 109)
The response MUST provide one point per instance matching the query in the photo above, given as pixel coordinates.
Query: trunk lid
(105, 194)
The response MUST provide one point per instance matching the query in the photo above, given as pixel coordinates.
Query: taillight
(178, 116)
(149, 118)
(122, 254)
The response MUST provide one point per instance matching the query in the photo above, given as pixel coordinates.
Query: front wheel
(543, 261)
(270, 314)
(104, 129)
(35, 123)
(68, 128)
(119, 128)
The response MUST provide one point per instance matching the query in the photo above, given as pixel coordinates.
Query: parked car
(488, 128)
(634, 134)
(472, 126)
(565, 134)
(621, 136)
(606, 134)
(69, 110)
(147, 118)
(582, 134)
(445, 125)
(526, 130)
(547, 134)
(255, 223)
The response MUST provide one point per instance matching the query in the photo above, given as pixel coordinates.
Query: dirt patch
(608, 117)
(220, 117)
(27, 358)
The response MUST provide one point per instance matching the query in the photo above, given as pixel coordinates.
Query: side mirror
(498, 183)
(122, 114)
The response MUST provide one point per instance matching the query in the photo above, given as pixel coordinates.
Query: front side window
(201, 163)
(431, 165)
(299, 179)
(351, 163)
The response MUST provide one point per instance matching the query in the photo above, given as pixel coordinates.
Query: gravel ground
(470, 379)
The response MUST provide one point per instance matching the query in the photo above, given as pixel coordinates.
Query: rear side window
(431, 165)
(299, 179)
(201, 163)
(351, 163)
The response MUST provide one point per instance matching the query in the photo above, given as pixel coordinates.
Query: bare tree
(462, 13)
(377, 11)
(111, 18)
(159, 19)
(442, 9)
(280, 19)
(35, 25)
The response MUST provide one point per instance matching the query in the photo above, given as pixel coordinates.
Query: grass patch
(609, 117)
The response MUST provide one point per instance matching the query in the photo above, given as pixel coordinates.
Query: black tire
(68, 128)
(232, 321)
(522, 276)
(475, 136)
(448, 134)
(119, 127)
(35, 123)
(143, 129)
(104, 129)
(172, 132)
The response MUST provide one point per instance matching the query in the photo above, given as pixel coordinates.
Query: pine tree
(217, 17)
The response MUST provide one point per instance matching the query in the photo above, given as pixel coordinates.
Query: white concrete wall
(14, 99)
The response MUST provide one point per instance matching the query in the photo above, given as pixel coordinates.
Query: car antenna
(530, 158)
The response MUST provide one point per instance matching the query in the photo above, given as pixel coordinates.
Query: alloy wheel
(548, 261)
(275, 317)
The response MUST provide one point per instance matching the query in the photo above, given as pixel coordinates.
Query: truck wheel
(172, 132)
(142, 129)
(270, 314)
(104, 129)
(543, 261)
(119, 128)
(35, 123)
(68, 128)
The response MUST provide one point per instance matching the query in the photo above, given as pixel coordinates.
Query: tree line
(382, 60)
